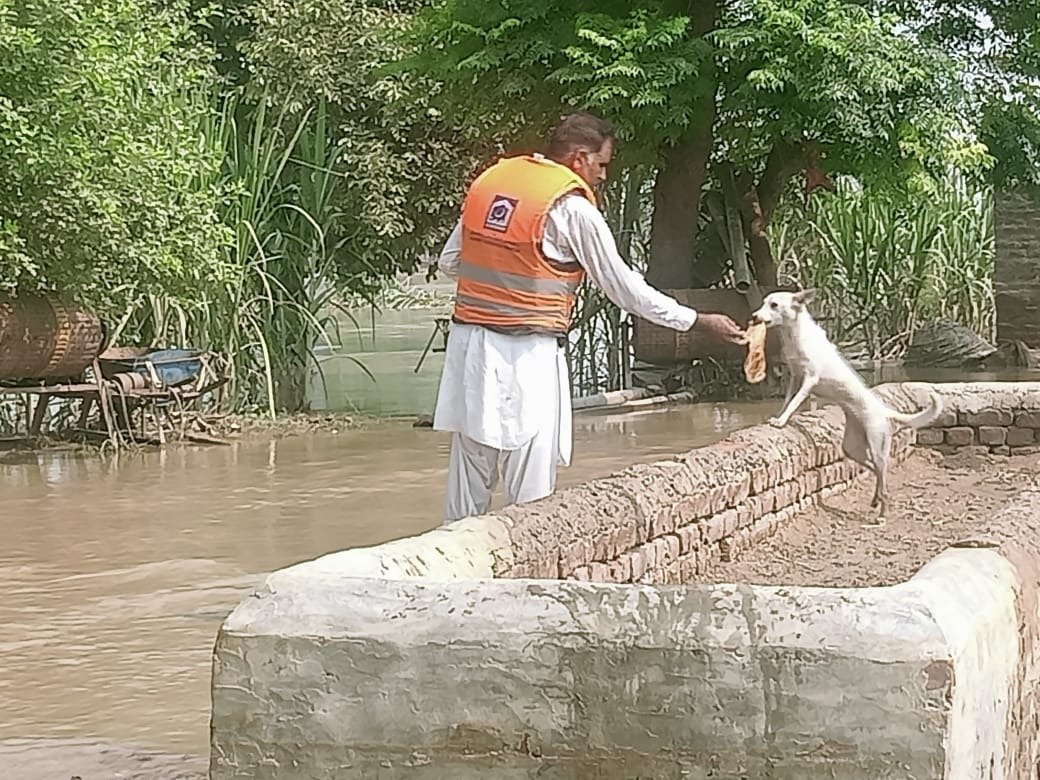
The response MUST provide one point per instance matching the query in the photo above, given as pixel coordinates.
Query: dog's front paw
(776, 422)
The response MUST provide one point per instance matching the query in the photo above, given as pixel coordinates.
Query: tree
(104, 188)
(399, 161)
(338, 177)
(997, 43)
(768, 89)
(810, 85)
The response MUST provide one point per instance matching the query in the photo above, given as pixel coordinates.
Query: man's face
(592, 166)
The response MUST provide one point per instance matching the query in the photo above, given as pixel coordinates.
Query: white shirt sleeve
(576, 231)
(448, 262)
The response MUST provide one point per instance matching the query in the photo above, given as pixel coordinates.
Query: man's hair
(580, 130)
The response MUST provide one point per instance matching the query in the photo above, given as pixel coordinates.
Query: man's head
(584, 143)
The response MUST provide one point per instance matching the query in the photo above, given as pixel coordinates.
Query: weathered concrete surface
(1015, 534)
(558, 679)
(325, 676)
(471, 548)
(971, 596)
(1016, 278)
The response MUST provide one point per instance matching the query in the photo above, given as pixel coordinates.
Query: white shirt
(500, 390)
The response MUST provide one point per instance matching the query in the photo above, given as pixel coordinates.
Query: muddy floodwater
(116, 575)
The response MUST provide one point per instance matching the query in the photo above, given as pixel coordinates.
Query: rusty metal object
(130, 381)
(42, 337)
(664, 346)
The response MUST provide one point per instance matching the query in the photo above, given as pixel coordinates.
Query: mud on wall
(663, 522)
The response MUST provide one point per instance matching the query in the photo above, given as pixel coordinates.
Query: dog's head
(782, 308)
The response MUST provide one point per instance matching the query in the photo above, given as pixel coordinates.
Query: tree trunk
(760, 202)
(677, 205)
(677, 190)
(759, 249)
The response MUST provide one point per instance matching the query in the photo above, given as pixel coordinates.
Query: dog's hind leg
(879, 445)
(880, 501)
(869, 449)
(854, 442)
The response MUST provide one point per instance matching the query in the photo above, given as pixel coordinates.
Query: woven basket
(43, 338)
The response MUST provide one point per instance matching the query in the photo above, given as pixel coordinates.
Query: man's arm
(448, 261)
(578, 230)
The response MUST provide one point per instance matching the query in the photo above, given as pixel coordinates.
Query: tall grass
(885, 262)
(276, 290)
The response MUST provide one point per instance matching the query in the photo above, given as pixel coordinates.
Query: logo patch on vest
(500, 213)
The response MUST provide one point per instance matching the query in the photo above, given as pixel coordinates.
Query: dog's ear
(805, 296)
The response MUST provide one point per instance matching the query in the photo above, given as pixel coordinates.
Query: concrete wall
(409, 661)
(1016, 282)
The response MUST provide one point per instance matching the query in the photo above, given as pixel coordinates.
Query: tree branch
(784, 161)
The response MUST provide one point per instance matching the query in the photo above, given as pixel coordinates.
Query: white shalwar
(506, 398)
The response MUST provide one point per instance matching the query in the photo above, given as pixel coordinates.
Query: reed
(280, 285)
(884, 262)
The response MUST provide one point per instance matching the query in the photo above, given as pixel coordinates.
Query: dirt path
(934, 501)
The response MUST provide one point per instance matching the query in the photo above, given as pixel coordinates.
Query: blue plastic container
(174, 366)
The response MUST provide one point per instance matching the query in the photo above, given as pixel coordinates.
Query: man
(530, 232)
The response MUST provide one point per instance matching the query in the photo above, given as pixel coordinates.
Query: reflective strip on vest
(501, 308)
(515, 281)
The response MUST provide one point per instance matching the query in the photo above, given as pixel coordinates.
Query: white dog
(816, 366)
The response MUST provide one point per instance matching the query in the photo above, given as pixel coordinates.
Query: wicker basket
(43, 338)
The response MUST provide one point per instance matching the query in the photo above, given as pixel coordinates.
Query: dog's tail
(920, 419)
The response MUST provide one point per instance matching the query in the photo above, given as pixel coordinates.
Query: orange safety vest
(505, 281)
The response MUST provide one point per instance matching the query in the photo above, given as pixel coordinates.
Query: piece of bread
(755, 362)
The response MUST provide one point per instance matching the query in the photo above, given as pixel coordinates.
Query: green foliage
(100, 165)
(290, 239)
(885, 262)
(874, 98)
(400, 162)
(1011, 130)
(998, 45)
(877, 102)
(503, 63)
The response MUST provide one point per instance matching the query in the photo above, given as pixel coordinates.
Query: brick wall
(660, 523)
(998, 431)
(663, 522)
(1017, 275)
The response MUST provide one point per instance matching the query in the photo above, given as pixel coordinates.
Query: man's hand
(720, 328)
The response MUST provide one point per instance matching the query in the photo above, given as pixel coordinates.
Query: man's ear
(805, 296)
